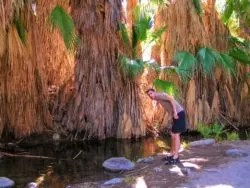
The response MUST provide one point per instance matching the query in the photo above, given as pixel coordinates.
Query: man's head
(151, 93)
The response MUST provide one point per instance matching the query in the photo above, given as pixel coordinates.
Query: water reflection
(86, 167)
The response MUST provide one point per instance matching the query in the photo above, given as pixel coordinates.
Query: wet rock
(117, 164)
(6, 182)
(202, 142)
(236, 153)
(114, 181)
(186, 171)
(56, 137)
(32, 185)
(147, 160)
(157, 169)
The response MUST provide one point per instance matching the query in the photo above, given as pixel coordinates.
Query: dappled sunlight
(140, 183)
(176, 170)
(195, 160)
(162, 144)
(191, 165)
(219, 186)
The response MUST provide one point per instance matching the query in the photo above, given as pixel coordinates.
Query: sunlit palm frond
(240, 55)
(186, 64)
(20, 29)
(227, 63)
(197, 5)
(165, 86)
(124, 33)
(229, 9)
(131, 67)
(207, 58)
(60, 19)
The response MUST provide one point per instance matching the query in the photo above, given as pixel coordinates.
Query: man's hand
(176, 116)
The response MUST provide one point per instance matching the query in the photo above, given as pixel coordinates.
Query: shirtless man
(179, 123)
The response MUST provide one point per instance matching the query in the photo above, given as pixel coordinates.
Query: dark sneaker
(173, 161)
(168, 158)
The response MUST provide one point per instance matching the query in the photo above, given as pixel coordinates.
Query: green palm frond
(197, 5)
(155, 36)
(20, 29)
(131, 67)
(240, 55)
(124, 33)
(229, 9)
(236, 41)
(207, 58)
(228, 63)
(186, 64)
(152, 65)
(60, 19)
(165, 86)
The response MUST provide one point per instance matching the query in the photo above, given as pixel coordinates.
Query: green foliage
(211, 131)
(141, 33)
(238, 9)
(228, 63)
(124, 33)
(20, 29)
(60, 19)
(204, 130)
(217, 130)
(186, 64)
(240, 55)
(206, 60)
(229, 9)
(130, 66)
(197, 5)
(232, 136)
(165, 86)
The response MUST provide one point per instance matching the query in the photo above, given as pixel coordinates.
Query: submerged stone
(6, 182)
(236, 153)
(117, 164)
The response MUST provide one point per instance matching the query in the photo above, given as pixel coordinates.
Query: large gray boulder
(6, 182)
(117, 164)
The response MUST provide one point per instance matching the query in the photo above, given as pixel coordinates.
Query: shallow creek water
(75, 162)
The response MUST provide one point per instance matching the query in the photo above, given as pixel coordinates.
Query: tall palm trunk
(105, 103)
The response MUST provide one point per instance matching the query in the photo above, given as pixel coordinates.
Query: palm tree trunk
(105, 103)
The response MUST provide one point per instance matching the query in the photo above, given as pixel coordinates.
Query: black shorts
(179, 125)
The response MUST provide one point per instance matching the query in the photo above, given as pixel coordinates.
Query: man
(179, 124)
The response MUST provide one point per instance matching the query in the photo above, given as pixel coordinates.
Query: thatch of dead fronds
(23, 93)
(188, 31)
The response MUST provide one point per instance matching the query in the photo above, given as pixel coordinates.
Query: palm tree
(105, 102)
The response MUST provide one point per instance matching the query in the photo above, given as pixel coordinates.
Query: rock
(140, 160)
(202, 142)
(114, 181)
(32, 185)
(56, 137)
(186, 171)
(117, 164)
(157, 169)
(147, 160)
(236, 153)
(6, 182)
